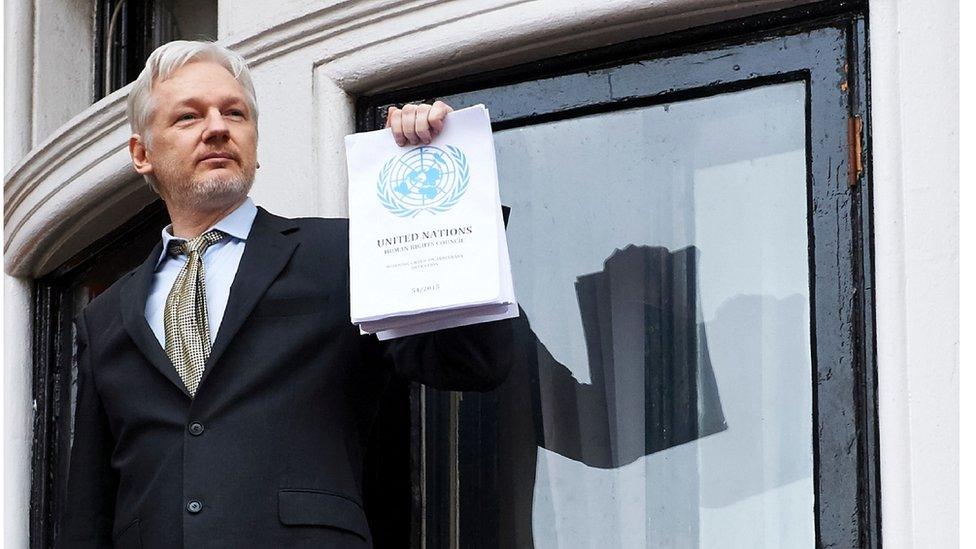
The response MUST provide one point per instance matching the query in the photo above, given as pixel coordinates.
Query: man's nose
(216, 127)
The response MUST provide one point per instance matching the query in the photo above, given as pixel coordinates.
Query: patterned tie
(185, 317)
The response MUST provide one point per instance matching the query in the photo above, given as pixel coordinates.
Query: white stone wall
(63, 60)
(68, 180)
(915, 99)
(18, 72)
(18, 409)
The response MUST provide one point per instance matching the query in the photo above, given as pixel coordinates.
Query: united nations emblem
(423, 179)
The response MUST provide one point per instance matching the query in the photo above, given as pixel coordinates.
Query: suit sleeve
(89, 511)
(467, 358)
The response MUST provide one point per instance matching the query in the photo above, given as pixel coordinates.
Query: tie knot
(198, 244)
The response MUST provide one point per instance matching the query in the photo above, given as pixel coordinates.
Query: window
(690, 243)
(127, 31)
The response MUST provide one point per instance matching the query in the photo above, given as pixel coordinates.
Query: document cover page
(424, 221)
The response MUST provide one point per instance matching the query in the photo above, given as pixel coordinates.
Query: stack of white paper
(427, 245)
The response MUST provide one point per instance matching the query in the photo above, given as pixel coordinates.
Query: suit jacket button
(196, 428)
(194, 506)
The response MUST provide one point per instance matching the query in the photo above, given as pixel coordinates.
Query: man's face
(204, 138)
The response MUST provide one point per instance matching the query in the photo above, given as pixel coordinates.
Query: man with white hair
(224, 397)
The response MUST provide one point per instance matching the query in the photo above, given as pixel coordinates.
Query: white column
(915, 98)
(18, 410)
(18, 47)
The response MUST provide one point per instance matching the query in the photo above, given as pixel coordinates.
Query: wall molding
(54, 193)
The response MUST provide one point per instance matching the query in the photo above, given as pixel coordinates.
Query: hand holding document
(427, 247)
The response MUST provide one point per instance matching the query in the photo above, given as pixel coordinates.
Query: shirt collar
(237, 224)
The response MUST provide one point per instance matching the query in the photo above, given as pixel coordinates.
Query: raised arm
(476, 357)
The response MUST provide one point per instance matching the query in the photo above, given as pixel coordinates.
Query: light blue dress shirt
(220, 262)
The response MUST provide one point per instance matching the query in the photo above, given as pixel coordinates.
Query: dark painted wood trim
(869, 445)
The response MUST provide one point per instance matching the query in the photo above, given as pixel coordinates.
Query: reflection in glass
(662, 395)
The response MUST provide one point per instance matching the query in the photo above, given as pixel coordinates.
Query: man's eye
(187, 116)
(236, 113)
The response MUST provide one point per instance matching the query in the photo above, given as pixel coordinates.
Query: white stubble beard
(212, 192)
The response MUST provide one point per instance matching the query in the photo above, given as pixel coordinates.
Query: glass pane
(662, 395)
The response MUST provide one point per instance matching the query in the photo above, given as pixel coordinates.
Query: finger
(409, 120)
(423, 127)
(436, 117)
(394, 120)
(389, 115)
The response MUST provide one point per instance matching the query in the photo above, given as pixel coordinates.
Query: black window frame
(54, 369)
(141, 26)
(132, 41)
(731, 56)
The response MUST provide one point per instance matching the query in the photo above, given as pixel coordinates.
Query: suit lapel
(134, 293)
(267, 252)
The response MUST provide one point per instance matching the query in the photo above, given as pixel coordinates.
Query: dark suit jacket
(270, 451)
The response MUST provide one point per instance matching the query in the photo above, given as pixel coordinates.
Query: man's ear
(137, 150)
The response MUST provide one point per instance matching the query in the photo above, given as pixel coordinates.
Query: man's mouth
(216, 156)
